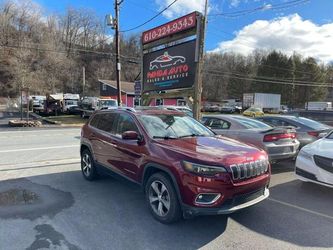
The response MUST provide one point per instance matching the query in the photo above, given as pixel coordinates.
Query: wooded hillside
(47, 54)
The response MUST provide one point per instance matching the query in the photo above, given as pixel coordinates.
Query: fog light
(207, 198)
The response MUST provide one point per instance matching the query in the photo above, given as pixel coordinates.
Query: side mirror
(130, 135)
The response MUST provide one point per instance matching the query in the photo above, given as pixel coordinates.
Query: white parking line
(38, 131)
(67, 161)
(301, 208)
(33, 149)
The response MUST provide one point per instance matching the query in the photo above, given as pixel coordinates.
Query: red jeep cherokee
(183, 167)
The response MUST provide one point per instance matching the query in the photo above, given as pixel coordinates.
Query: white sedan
(314, 162)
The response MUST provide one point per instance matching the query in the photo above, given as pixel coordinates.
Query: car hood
(322, 147)
(217, 149)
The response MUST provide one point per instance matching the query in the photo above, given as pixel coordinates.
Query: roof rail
(148, 107)
(127, 109)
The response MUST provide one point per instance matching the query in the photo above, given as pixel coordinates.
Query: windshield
(108, 103)
(173, 126)
(251, 123)
(310, 123)
(71, 102)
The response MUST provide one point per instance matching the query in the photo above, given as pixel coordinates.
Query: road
(71, 213)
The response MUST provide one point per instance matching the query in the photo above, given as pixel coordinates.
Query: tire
(88, 166)
(162, 199)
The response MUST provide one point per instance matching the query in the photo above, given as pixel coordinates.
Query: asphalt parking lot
(56, 208)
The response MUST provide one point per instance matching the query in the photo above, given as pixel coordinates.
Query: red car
(182, 166)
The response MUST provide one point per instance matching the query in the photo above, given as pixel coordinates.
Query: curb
(45, 119)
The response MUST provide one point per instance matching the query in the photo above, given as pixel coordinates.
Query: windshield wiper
(165, 137)
(191, 135)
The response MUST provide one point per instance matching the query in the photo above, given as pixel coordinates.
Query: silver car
(279, 143)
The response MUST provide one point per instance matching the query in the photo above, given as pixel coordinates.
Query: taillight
(313, 133)
(276, 137)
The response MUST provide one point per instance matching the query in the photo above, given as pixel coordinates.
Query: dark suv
(183, 167)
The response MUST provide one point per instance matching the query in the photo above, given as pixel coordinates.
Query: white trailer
(318, 106)
(266, 101)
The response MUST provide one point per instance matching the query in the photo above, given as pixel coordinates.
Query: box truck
(268, 102)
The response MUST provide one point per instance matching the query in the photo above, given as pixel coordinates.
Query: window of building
(159, 102)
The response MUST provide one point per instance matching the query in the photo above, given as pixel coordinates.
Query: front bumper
(230, 206)
(307, 170)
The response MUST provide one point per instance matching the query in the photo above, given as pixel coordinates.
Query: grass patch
(67, 119)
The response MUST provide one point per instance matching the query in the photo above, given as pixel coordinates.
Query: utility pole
(83, 80)
(117, 38)
(200, 51)
(293, 98)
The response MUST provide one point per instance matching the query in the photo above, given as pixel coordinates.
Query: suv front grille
(249, 169)
(324, 163)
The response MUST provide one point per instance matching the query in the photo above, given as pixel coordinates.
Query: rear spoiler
(278, 128)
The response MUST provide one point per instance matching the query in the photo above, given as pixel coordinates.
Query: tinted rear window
(94, 121)
(104, 121)
(310, 123)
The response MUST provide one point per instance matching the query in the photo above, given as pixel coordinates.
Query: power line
(150, 19)
(138, 26)
(72, 51)
(269, 78)
(264, 7)
(324, 85)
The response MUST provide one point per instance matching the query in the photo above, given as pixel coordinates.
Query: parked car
(183, 167)
(213, 108)
(228, 109)
(307, 130)
(183, 109)
(283, 109)
(253, 112)
(314, 162)
(90, 104)
(279, 143)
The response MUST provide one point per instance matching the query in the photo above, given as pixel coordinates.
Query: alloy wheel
(159, 198)
(86, 165)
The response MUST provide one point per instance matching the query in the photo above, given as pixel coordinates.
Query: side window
(226, 125)
(106, 122)
(204, 120)
(218, 124)
(125, 123)
(94, 121)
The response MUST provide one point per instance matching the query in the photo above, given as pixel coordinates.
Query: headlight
(305, 154)
(202, 169)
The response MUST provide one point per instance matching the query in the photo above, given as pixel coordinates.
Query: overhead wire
(323, 85)
(264, 7)
(150, 19)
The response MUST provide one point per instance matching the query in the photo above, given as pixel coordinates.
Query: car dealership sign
(170, 68)
(170, 54)
(176, 26)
